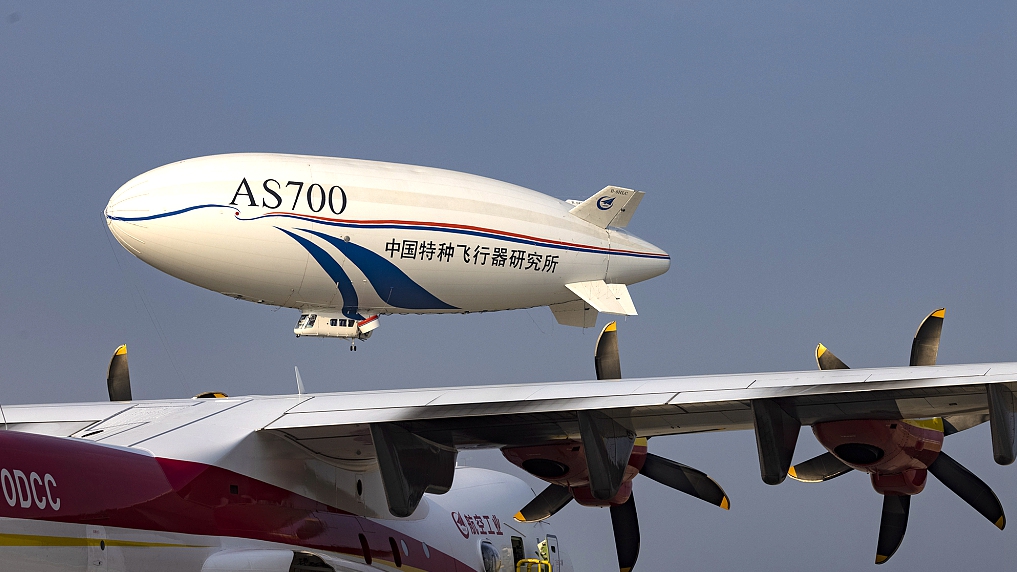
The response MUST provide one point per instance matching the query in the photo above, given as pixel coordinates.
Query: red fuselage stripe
(76, 481)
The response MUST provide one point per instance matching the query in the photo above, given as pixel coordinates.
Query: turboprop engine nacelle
(895, 453)
(354, 239)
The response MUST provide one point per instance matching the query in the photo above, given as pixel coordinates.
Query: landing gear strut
(353, 346)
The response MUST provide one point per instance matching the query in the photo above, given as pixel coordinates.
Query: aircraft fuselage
(74, 504)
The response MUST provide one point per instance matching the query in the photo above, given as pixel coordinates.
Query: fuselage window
(311, 319)
(427, 551)
(395, 552)
(302, 321)
(333, 322)
(492, 562)
(366, 548)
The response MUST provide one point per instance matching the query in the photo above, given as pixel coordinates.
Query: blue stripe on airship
(164, 215)
(392, 285)
(335, 272)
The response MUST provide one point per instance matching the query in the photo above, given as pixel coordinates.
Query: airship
(346, 240)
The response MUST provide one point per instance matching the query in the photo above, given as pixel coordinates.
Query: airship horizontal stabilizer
(607, 298)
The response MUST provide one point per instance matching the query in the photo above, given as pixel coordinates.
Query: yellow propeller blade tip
(820, 350)
(939, 313)
(122, 350)
(881, 559)
(519, 516)
(1001, 522)
(791, 473)
(725, 504)
(611, 327)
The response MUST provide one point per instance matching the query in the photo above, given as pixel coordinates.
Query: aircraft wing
(526, 414)
(412, 436)
(490, 416)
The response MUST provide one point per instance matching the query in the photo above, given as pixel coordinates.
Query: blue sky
(817, 172)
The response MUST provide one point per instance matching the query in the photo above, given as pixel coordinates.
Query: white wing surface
(499, 415)
(493, 416)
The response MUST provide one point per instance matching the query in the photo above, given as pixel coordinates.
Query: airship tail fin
(612, 206)
(577, 313)
(607, 298)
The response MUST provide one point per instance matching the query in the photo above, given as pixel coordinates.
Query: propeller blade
(819, 469)
(968, 487)
(926, 345)
(892, 525)
(118, 377)
(606, 359)
(626, 533)
(685, 479)
(826, 360)
(549, 501)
